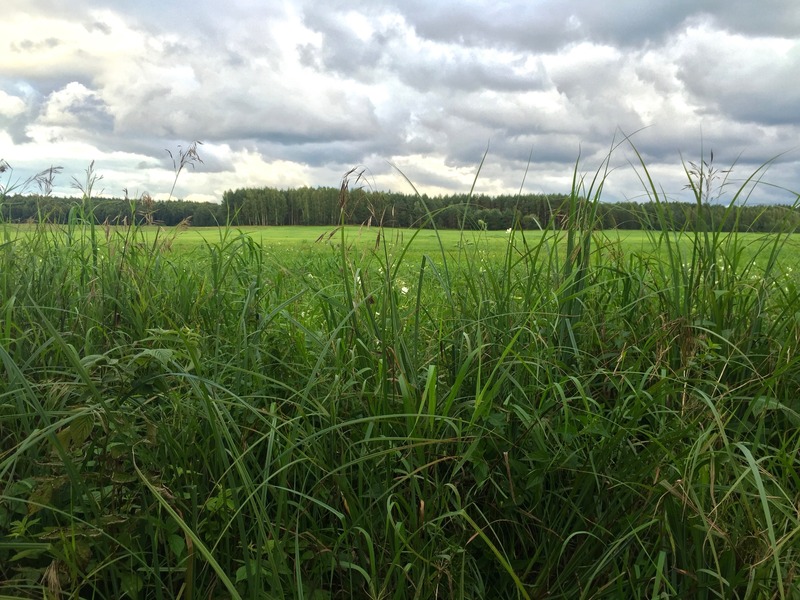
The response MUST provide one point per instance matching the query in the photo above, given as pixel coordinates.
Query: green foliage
(306, 206)
(571, 415)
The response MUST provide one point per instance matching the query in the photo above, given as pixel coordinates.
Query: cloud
(744, 78)
(297, 93)
(75, 109)
(546, 26)
(10, 105)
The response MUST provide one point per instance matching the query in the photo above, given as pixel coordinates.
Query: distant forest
(322, 206)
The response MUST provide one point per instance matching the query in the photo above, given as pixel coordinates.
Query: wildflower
(404, 289)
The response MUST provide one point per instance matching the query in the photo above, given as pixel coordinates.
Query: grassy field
(257, 414)
(416, 243)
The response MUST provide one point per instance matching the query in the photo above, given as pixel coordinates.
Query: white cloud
(11, 106)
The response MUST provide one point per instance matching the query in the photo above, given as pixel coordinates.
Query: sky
(511, 95)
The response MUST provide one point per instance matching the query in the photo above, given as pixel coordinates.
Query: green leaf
(177, 544)
(132, 584)
(76, 433)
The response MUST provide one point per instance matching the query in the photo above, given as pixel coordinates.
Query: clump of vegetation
(572, 417)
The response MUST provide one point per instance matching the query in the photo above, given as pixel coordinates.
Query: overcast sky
(297, 93)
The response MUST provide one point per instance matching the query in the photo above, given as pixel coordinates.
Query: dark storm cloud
(752, 83)
(546, 26)
(385, 51)
(765, 18)
(468, 73)
(336, 153)
(342, 50)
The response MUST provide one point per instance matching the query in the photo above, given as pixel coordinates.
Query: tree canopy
(328, 206)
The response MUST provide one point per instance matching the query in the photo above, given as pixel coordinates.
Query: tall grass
(570, 419)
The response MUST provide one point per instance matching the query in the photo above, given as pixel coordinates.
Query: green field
(261, 413)
(415, 243)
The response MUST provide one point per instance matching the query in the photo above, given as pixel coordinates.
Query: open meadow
(331, 413)
(400, 300)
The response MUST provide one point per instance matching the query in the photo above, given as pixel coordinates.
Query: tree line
(327, 206)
